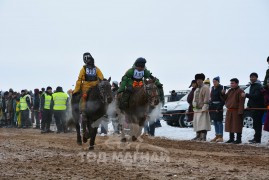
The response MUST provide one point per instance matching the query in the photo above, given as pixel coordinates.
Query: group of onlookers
(24, 109)
(207, 105)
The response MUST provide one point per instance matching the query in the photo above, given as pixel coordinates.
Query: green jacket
(128, 78)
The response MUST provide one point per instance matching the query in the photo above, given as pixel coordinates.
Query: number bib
(138, 74)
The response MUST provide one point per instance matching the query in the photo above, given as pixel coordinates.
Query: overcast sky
(42, 41)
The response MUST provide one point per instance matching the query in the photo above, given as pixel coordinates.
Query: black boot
(203, 135)
(124, 103)
(238, 138)
(231, 140)
(197, 137)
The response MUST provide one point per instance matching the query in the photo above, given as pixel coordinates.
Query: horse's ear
(109, 79)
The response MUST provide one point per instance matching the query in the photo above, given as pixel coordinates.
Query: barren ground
(27, 154)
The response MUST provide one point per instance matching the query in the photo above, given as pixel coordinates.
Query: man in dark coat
(235, 109)
(174, 96)
(216, 109)
(36, 107)
(256, 100)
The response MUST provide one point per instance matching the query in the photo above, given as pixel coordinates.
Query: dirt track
(26, 154)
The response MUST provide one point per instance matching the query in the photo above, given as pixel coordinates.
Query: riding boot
(124, 103)
(231, 140)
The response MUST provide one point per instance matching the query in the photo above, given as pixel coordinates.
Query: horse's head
(152, 92)
(105, 90)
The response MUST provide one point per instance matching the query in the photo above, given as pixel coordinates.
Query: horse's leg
(92, 132)
(79, 142)
(122, 121)
(84, 128)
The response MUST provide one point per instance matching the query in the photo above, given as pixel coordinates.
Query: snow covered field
(188, 133)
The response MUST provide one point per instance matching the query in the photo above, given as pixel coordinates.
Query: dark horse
(98, 99)
(142, 99)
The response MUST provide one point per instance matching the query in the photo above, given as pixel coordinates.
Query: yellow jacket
(83, 85)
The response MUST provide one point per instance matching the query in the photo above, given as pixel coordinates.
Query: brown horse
(98, 99)
(141, 100)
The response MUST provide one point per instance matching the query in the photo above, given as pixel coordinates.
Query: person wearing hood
(256, 100)
(59, 103)
(90, 76)
(46, 109)
(201, 118)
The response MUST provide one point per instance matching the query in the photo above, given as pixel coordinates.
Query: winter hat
(43, 89)
(59, 89)
(115, 83)
(11, 90)
(49, 88)
(36, 91)
(217, 78)
(254, 74)
(200, 76)
(192, 82)
(140, 62)
(207, 81)
(23, 91)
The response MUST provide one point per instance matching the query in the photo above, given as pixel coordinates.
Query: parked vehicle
(174, 112)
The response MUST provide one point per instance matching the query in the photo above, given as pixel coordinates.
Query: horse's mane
(94, 93)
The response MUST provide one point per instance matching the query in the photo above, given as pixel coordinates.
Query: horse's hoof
(91, 148)
(134, 138)
(84, 139)
(123, 140)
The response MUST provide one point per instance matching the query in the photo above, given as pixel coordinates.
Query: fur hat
(200, 76)
(49, 88)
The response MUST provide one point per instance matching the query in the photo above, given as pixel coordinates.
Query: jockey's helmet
(88, 59)
(140, 62)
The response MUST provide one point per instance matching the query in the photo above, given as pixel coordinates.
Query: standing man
(201, 118)
(46, 109)
(36, 107)
(266, 74)
(60, 100)
(216, 109)
(190, 99)
(25, 106)
(235, 109)
(256, 100)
